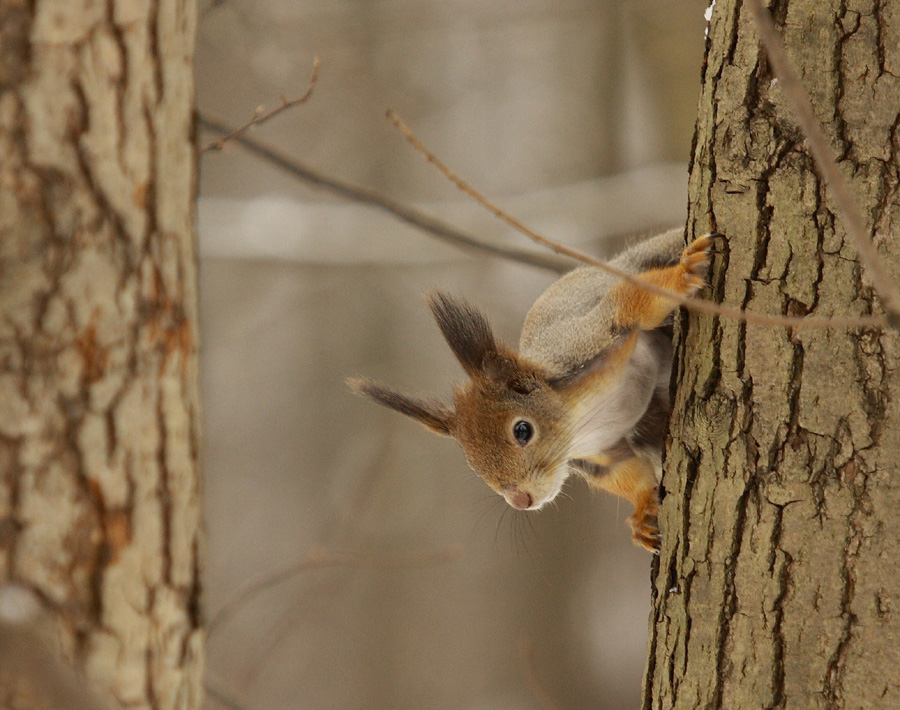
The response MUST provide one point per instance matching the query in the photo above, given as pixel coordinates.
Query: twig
(694, 304)
(821, 150)
(301, 610)
(214, 4)
(416, 218)
(259, 117)
(215, 691)
(319, 558)
(533, 678)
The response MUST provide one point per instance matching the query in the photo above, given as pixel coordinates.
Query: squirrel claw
(645, 525)
(695, 257)
(695, 263)
(647, 537)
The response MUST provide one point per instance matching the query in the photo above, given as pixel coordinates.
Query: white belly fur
(604, 418)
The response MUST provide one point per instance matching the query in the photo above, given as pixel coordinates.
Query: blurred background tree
(99, 414)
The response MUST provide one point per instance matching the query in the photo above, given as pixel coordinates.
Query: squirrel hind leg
(635, 480)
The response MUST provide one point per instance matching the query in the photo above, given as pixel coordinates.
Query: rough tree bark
(778, 582)
(99, 507)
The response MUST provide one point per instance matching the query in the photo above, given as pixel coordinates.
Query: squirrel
(587, 393)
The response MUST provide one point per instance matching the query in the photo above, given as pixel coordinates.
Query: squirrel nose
(520, 500)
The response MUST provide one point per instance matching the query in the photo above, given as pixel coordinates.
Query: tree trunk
(99, 414)
(778, 585)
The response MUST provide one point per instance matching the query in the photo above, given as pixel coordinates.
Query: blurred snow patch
(276, 227)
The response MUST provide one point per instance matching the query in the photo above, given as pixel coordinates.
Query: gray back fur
(571, 324)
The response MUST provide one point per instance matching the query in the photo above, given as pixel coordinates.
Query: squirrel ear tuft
(466, 331)
(432, 415)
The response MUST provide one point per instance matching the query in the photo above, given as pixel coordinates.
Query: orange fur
(637, 307)
(635, 481)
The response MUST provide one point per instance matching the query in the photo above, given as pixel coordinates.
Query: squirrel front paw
(695, 263)
(644, 523)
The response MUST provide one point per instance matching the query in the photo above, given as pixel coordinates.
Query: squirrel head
(509, 419)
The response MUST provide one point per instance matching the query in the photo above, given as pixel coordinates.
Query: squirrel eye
(523, 431)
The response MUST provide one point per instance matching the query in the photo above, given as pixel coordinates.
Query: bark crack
(722, 663)
(165, 493)
(779, 567)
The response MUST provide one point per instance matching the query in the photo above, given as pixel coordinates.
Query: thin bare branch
(224, 697)
(821, 150)
(435, 227)
(260, 116)
(533, 677)
(212, 5)
(319, 558)
(694, 304)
